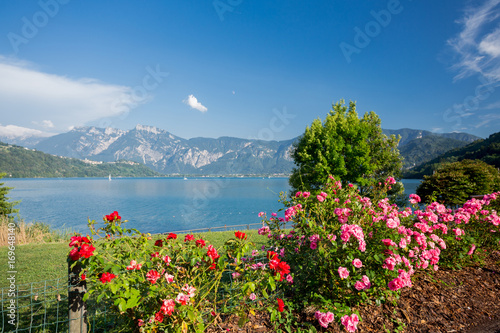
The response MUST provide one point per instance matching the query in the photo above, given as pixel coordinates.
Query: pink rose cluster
(348, 230)
(324, 318)
(350, 322)
(363, 284)
(321, 197)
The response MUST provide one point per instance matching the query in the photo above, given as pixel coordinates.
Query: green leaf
(272, 284)
(191, 315)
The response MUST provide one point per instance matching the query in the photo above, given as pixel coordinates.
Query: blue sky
(250, 69)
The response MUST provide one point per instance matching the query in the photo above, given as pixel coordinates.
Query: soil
(466, 300)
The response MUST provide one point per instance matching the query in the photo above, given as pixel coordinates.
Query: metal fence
(52, 306)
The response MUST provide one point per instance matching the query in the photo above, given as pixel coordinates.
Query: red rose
(281, 305)
(212, 252)
(152, 276)
(200, 243)
(87, 250)
(271, 255)
(159, 243)
(172, 236)
(74, 254)
(159, 316)
(113, 216)
(240, 235)
(189, 238)
(75, 241)
(107, 277)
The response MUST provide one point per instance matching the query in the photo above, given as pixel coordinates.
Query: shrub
(171, 284)
(345, 249)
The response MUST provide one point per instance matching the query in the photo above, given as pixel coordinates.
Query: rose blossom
(357, 263)
(343, 272)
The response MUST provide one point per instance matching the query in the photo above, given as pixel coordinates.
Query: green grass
(39, 262)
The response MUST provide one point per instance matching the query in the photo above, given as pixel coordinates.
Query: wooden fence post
(77, 307)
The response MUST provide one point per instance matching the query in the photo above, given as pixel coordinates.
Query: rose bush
(344, 249)
(171, 284)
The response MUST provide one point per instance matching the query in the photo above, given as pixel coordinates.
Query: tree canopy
(453, 183)
(350, 148)
(6, 207)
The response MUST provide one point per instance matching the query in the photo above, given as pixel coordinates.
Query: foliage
(6, 207)
(345, 249)
(19, 162)
(349, 148)
(454, 183)
(172, 284)
(487, 150)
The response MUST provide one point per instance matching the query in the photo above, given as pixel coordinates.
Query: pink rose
(357, 263)
(343, 272)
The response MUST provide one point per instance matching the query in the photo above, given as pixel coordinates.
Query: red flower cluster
(152, 276)
(278, 266)
(107, 277)
(200, 243)
(172, 236)
(167, 308)
(159, 243)
(81, 248)
(212, 254)
(189, 238)
(281, 305)
(113, 216)
(240, 235)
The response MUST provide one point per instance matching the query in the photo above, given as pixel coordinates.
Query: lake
(154, 205)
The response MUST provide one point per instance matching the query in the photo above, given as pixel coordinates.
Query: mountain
(169, 154)
(21, 162)
(418, 146)
(487, 150)
(408, 134)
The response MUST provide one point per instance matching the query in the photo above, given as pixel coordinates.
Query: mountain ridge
(167, 153)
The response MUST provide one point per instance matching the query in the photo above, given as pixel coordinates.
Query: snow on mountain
(167, 153)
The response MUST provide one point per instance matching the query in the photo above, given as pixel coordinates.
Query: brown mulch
(466, 300)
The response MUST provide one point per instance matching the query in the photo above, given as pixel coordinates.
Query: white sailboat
(109, 177)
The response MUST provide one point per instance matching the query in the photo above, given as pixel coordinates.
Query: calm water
(151, 204)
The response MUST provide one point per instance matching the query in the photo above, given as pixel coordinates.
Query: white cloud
(478, 44)
(29, 96)
(488, 120)
(13, 131)
(193, 103)
(491, 44)
(44, 123)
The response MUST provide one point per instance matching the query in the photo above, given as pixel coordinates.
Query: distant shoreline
(192, 176)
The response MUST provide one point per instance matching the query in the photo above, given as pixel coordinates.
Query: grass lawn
(39, 262)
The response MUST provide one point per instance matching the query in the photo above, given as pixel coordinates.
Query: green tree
(6, 207)
(350, 148)
(452, 184)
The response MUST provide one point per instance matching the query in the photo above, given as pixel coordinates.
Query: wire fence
(46, 306)
(43, 307)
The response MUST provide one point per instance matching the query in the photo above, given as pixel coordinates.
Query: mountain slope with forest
(486, 150)
(20, 162)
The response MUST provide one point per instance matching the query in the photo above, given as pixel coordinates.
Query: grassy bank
(29, 233)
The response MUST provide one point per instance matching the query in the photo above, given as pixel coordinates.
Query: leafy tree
(453, 183)
(6, 207)
(350, 148)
